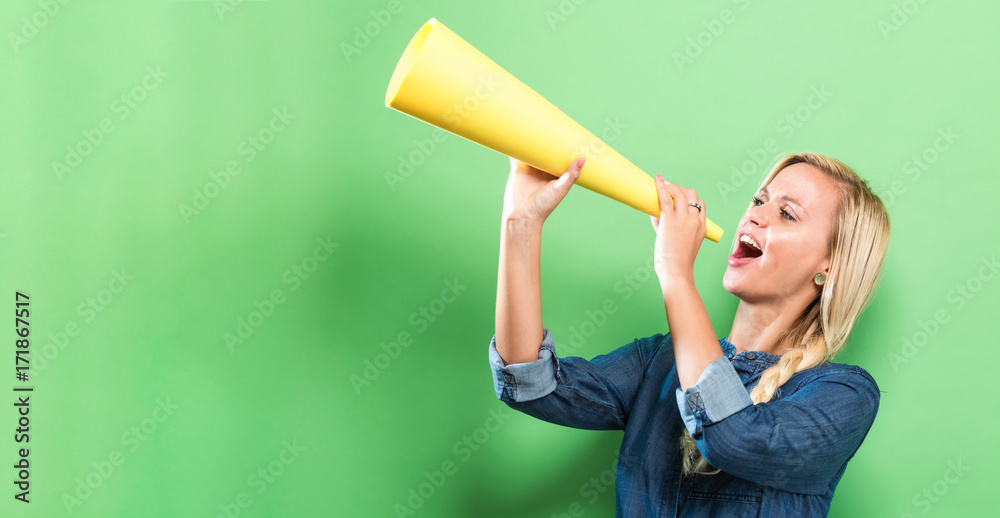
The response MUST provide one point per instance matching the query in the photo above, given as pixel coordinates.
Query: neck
(757, 326)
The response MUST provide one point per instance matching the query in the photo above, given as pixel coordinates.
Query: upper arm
(594, 394)
(798, 443)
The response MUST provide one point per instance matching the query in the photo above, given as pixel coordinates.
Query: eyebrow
(787, 198)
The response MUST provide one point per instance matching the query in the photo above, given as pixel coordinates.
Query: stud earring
(820, 278)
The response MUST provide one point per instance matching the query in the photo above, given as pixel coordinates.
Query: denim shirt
(782, 458)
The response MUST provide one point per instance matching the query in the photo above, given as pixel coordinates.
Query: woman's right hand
(532, 194)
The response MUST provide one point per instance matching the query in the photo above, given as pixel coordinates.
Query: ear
(825, 264)
(824, 267)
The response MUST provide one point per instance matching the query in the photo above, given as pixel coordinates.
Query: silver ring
(695, 205)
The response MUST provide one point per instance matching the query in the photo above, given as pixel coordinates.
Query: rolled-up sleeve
(525, 381)
(595, 394)
(718, 394)
(799, 442)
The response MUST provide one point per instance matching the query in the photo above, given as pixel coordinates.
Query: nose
(757, 214)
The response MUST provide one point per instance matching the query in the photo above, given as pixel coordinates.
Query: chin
(727, 281)
(732, 282)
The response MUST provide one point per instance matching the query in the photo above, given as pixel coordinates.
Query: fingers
(566, 180)
(681, 196)
(678, 194)
(555, 191)
(665, 192)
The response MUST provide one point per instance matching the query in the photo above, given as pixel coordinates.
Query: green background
(898, 75)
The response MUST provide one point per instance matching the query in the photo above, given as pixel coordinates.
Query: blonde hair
(858, 244)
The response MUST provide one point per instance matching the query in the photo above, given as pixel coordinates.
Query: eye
(756, 202)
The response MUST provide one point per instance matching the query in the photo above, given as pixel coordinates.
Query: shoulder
(841, 374)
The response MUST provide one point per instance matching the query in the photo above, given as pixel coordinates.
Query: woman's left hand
(680, 229)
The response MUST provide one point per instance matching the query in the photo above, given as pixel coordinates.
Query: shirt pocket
(722, 496)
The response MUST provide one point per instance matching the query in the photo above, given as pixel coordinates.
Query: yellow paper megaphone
(444, 81)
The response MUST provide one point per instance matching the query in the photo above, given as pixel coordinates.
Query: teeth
(745, 238)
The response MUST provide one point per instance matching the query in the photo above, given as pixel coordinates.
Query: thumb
(663, 192)
(549, 196)
(567, 179)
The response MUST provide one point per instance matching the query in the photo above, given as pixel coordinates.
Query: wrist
(521, 227)
(673, 281)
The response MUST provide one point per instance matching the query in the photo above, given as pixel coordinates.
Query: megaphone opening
(406, 62)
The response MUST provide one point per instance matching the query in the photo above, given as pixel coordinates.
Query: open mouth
(745, 250)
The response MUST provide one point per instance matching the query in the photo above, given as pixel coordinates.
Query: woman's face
(791, 221)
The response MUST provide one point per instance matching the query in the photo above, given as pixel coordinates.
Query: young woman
(760, 423)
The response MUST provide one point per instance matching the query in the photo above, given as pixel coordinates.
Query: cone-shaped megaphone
(444, 81)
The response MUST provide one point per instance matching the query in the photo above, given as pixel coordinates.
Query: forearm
(694, 341)
(519, 299)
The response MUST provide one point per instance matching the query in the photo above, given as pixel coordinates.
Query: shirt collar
(758, 357)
